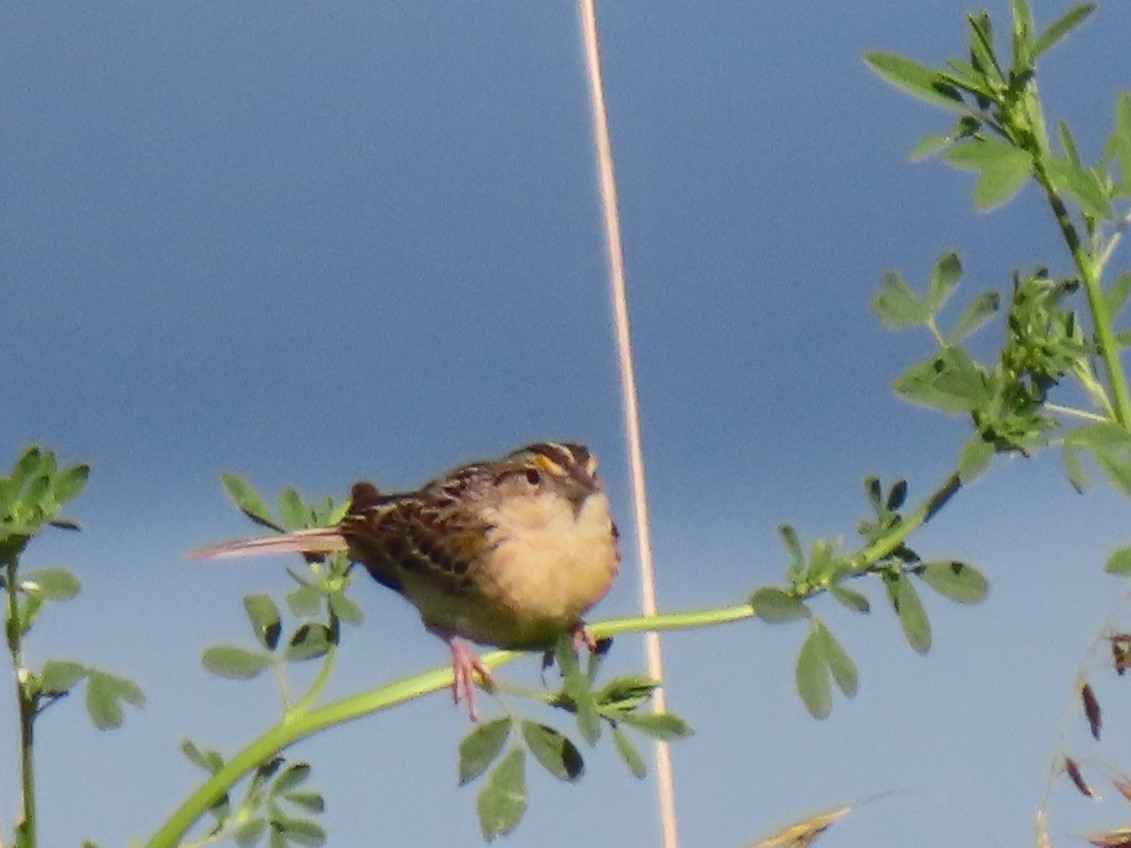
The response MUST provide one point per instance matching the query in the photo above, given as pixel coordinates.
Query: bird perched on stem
(510, 552)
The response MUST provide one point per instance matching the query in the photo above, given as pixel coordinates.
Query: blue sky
(314, 243)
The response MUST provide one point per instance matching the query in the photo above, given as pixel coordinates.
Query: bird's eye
(533, 477)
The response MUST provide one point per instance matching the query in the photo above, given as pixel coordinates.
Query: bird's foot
(465, 665)
(582, 638)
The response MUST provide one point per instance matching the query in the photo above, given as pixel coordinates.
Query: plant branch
(902, 530)
(26, 828)
(324, 673)
(1087, 267)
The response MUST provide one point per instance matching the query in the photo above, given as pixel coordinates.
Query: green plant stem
(302, 721)
(898, 534)
(1089, 277)
(26, 828)
(298, 724)
(323, 678)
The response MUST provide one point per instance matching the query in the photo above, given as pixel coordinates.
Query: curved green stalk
(1088, 266)
(1089, 277)
(898, 534)
(26, 835)
(302, 721)
(323, 678)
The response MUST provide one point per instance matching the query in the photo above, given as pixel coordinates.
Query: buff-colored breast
(547, 562)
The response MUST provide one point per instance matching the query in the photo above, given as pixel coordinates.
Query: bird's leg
(582, 638)
(465, 665)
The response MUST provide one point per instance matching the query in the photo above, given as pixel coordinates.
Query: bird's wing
(419, 535)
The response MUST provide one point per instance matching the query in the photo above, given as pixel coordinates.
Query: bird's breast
(552, 562)
(547, 562)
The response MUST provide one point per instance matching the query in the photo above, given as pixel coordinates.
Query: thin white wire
(665, 783)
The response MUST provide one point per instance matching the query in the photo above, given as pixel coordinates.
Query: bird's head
(569, 470)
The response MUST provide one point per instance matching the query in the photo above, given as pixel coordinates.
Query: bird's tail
(321, 540)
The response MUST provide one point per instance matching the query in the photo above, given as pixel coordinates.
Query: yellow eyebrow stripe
(548, 465)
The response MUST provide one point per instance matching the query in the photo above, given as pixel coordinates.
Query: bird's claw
(582, 638)
(465, 665)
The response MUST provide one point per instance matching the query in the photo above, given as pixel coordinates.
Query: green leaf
(210, 761)
(664, 726)
(897, 496)
(307, 800)
(295, 514)
(302, 831)
(588, 716)
(345, 609)
(897, 306)
(950, 382)
(331, 514)
(32, 463)
(502, 802)
(944, 278)
(554, 751)
(957, 581)
(305, 601)
(67, 484)
(1063, 25)
(1116, 295)
(566, 658)
(263, 773)
(291, 777)
(1119, 563)
(480, 748)
(1022, 33)
(980, 310)
(265, 620)
(792, 544)
(914, 78)
(629, 755)
(928, 146)
(812, 675)
(974, 459)
(912, 616)
(1119, 144)
(1068, 142)
(597, 657)
(234, 662)
(249, 833)
(104, 696)
(850, 598)
(627, 693)
(52, 584)
(248, 500)
(774, 605)
(38, 493)
(1002, 169)
(840, 664)
(966, 78)
(1083, 184)
(1074, 467)
(60, 676)
(874, 492)
(1111, 447)
(982, 46)
(310, 641)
